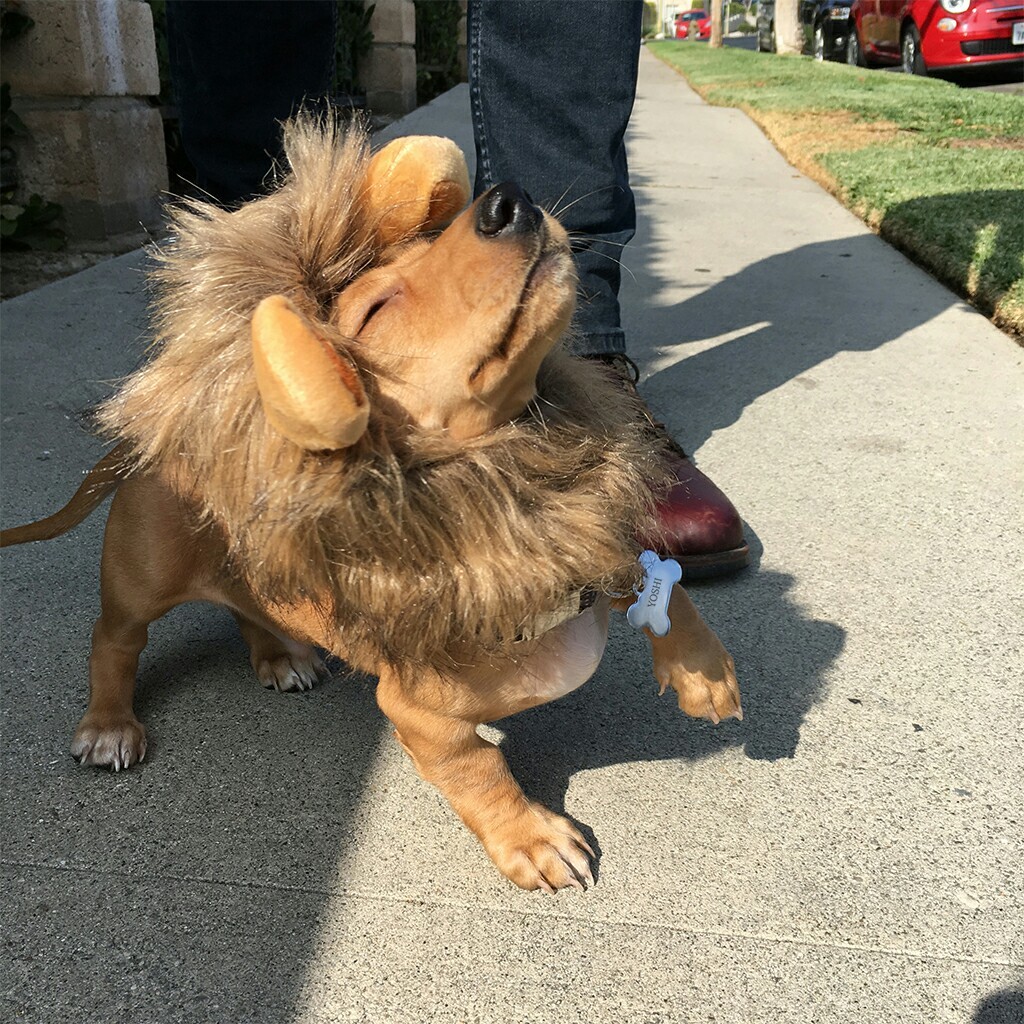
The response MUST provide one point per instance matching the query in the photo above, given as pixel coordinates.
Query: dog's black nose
(506, 210)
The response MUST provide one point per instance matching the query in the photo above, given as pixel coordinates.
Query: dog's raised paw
(541, 850)
(109, 742)
(291, 672)
(706, 689)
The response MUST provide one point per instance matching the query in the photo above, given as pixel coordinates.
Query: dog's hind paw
(109, 742)
(541, 850)
(294, 671)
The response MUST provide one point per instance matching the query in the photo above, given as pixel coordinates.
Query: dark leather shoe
(700, 526)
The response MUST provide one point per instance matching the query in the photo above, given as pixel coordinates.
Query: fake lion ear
(310, 394)
(416, 183)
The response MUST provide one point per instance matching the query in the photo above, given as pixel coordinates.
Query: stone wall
(78, 81)
(388, 72)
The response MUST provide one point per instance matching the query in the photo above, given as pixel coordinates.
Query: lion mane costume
(420, 549)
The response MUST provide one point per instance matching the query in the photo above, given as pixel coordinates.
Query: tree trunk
(716, 23)
(788, 36)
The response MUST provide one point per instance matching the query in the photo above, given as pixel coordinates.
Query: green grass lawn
(937, 170)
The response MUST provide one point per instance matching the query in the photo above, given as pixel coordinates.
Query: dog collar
(649, 611)
(575, 603)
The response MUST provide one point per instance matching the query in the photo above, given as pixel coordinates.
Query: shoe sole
(715, 563)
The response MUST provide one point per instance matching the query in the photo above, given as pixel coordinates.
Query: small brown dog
(360, 433)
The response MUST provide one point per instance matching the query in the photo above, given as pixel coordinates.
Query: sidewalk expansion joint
(476, 907)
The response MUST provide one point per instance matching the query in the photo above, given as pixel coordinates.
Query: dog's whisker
(613, 259)
(586, 195)
(547, 401)
(595, 240)
(565, 192)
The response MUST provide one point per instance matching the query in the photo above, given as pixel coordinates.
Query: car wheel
(819, 42)
(913, 62)
(854, 54)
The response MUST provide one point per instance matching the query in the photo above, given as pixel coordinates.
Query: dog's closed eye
(371, 310)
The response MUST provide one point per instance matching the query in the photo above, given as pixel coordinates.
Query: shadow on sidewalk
(192, 886)
(1006, 1007)
(781, 656)
(782, 317)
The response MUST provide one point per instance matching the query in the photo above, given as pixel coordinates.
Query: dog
(362, 433)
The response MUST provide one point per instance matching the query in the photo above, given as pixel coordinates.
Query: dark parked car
(936, 35)
(824, 22)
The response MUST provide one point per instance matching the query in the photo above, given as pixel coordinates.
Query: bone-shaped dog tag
(651, 608)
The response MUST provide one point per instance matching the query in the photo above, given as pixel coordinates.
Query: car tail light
(955, 6)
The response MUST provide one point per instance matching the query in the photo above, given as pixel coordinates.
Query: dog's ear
(416, 184)
(311, 394)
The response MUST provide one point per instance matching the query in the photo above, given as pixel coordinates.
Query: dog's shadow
(781, 656)
(616, 718)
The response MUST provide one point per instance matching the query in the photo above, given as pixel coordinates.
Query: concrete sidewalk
(849, 853)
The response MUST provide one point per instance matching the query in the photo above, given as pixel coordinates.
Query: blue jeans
(551, 83)
(552, 86)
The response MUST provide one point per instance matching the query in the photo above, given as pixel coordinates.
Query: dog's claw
(291, 672)
(114, 743)
(542, 850)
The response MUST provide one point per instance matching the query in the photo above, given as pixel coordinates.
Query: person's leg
(239, 68)
(552, 88)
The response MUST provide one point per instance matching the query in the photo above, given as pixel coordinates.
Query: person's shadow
(780, 317)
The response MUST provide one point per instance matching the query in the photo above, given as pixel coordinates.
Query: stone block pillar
(97, 148)
(388, 72)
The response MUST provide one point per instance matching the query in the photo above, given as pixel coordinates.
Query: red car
(698, 22)
(935, 35)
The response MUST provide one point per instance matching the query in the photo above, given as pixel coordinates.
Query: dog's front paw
(291, 670)
(541, 850)
(113, 741)
(705, 682)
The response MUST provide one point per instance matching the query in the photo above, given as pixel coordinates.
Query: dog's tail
(99, 482)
